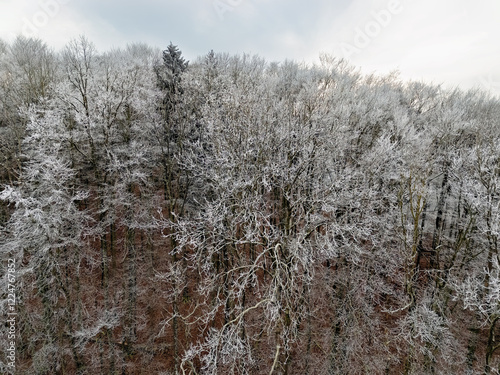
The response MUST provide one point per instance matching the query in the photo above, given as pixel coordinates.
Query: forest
(231, 215)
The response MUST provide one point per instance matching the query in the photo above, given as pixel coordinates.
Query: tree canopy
(235, 216)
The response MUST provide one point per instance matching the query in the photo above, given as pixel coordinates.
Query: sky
(448, 42)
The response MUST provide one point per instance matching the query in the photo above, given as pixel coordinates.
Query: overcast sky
(453, 42)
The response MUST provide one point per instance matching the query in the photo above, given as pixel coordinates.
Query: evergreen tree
(169, 73)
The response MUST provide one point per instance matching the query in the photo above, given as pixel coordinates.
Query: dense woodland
(236, 216)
